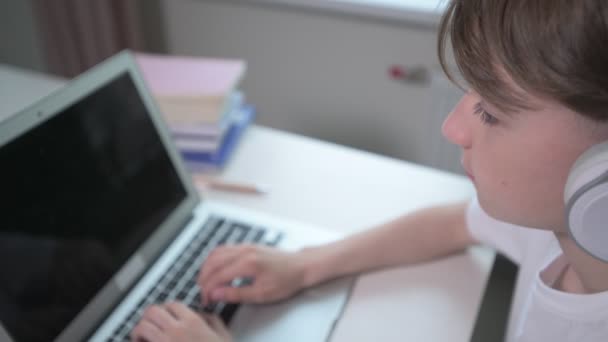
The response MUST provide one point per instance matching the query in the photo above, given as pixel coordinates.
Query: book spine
(232, 137)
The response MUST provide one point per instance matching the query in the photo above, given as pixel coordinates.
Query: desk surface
(348, 191)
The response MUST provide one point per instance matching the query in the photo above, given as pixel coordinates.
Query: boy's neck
(586, 271)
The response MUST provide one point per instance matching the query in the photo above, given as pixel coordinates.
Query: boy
(537, 71)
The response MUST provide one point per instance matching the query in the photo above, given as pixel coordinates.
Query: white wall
(321, 74)
(311, 72)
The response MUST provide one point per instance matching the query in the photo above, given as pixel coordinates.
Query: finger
(231, 294)
(180, 311)
(240, 269)
(223, 256)
(146, 331)
(158, 316)
(188, 317)
(219, 258)
(216, 323)
(229, 271)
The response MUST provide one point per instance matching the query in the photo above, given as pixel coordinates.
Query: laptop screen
(80, 193)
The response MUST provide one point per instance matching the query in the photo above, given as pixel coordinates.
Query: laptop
(100, 219)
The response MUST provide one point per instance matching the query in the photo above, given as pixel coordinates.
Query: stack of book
(201, 103)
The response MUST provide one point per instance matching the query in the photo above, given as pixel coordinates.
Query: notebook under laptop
(100, 218)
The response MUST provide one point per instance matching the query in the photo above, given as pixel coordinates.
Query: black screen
(80, 193)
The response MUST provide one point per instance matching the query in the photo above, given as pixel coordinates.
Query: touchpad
(308, 317)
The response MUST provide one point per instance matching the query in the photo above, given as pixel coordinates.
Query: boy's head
(537, 71)
(557, 49)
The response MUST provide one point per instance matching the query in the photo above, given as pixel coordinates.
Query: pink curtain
(77, 34)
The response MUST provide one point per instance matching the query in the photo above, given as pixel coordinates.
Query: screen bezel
(52, 105)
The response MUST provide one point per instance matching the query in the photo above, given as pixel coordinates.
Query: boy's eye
(485, 117)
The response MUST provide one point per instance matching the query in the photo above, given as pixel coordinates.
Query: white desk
(345, 190)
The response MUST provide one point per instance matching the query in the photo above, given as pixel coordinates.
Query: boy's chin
(499, 212)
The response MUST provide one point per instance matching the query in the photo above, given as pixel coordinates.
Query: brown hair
(556, 49)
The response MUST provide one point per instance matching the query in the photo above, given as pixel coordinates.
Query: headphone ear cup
(586, 199)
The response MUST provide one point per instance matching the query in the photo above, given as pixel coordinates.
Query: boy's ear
(586, 199)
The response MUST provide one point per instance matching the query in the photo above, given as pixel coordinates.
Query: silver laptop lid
(92, 191)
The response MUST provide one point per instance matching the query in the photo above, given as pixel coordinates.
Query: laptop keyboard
(179, 282)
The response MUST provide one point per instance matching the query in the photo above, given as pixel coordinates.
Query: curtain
(77, 34)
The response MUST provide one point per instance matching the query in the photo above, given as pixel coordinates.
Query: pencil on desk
(215, 184)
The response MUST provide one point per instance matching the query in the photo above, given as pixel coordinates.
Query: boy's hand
(175, 322)
(273, 274)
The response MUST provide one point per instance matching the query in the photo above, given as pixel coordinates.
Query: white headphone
(586, 199)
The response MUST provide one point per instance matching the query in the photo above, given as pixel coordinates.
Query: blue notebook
(217, 159)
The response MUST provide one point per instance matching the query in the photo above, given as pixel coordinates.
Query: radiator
(438, 152)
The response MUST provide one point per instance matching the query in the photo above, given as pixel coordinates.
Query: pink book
(191, 77)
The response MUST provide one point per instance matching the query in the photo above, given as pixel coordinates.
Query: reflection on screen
(80, 192)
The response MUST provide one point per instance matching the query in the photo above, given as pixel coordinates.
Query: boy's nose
(456, 127)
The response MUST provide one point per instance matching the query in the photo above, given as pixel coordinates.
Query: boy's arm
(419, 236)
(416, 237)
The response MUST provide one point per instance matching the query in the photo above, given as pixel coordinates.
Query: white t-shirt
(540, 313)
